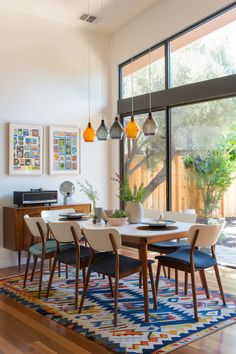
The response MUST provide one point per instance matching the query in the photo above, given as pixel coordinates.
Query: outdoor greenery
(214, 172)
(89, 191)
(119, 214)
(128, 194)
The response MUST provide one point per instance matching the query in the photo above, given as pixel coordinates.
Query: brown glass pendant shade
(150, 126)
(132, 129)
(89, 134)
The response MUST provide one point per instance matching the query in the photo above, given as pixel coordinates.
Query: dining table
(139, 236)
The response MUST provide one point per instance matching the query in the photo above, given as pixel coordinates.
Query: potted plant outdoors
(90, 192)
(133, 197)
(118, 218)
(214, 172)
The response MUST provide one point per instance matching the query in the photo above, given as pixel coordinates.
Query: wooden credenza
(15, 233)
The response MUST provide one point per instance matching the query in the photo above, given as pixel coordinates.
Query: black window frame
(218, 88)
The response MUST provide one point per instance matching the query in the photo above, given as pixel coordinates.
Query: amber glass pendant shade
(116, 130)
(89, 134)
(150, 126)
(132, 129)
(102, 131)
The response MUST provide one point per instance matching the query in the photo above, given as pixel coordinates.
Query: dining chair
(192, 259)
(55, 214)
(167, 247)
(45, 249)
(108, 261)
(68, 232)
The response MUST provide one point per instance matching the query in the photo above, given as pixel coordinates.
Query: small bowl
(117, 221)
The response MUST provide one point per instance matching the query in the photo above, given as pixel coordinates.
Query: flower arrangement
(89, 191)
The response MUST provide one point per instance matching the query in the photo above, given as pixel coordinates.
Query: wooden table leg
(143, 255)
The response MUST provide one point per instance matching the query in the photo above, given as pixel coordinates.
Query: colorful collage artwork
(64, 148)
(25, 149)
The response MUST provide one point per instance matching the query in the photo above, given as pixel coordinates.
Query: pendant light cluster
(116, 131)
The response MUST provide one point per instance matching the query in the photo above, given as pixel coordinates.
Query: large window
(193, 85)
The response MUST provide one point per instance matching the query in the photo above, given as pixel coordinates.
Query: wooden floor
(25, 331)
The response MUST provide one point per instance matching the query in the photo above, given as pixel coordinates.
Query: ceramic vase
(135, 212)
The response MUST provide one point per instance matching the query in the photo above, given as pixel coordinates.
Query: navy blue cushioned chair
(191, 259)
(107, 261)
(167, 247)
(65, 233)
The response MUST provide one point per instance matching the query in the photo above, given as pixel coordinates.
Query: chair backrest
(182, 217)
(99, 238)
(62, 232)
(207, 234)
(151, 214)
(56, 213)
(31, 222)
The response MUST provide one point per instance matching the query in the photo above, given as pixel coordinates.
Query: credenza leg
(19, 259)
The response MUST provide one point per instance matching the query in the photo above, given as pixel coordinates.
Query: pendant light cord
(102, 47)
(132, 74)
(89, 67)
(149, 58)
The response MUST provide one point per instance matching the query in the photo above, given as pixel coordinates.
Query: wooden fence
(184, 192)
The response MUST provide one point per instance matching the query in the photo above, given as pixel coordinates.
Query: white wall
(158, 23)
(43, 79)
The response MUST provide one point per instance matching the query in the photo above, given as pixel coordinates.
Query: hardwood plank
(8, 347)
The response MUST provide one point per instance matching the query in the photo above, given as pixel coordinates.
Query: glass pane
(140, 70)
(206, 52)
(145, 162)
(198, 129)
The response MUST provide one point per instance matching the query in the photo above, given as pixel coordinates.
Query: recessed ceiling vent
(88, 18)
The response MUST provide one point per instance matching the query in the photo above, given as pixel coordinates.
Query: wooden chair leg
(50, 264)
(111, 286)
(158, 276)
(140, 280)
(85, 289)
(153, 287)
(51, 276)
(26, 269)
(77, 285)
(186, 283)
(83, 274)
(59, 269)
(66, 271)
(168, 272)
(217, 273)
(34, 267)
(41, 276)
(204, 282)
(194, 295)
(176, 282)
(116, 294)
(164, 271)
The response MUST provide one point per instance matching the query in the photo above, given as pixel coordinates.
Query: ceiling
(115, 13)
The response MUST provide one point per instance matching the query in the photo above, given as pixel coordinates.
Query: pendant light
(116, 130)
(150, 126)
(102, 131)
(89, 133)
(132, 128)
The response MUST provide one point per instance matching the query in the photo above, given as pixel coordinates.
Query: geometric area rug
(171, 326)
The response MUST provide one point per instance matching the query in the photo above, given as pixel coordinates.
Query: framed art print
(25, 149)
(64, 145)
